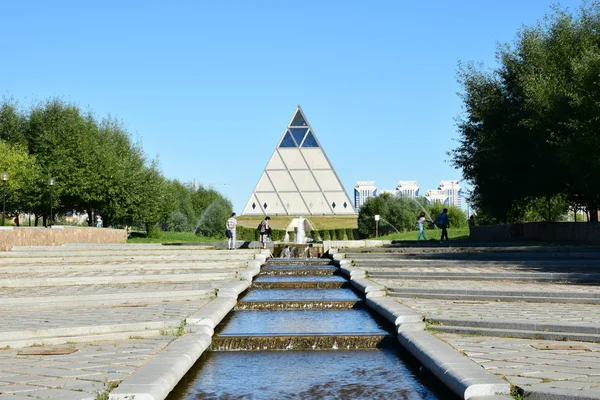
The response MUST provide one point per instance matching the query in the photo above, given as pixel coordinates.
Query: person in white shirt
(230, 225)
(421, 224)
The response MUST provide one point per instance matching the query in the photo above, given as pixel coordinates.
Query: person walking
(443, 222)
(420, 223)
(265, 231)
(230, 225)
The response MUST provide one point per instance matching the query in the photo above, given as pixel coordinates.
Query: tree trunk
(17, 220)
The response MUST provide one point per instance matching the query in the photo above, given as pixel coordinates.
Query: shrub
(212, 222)
(325, 235)
(349, 234)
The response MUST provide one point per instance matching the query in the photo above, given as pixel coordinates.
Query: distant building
(362, 191)
(448, 193)
(408, 189)
(299, 179)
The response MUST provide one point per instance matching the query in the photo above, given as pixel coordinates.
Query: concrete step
(489, 276)
(516, 333)
(107, 247)
(85, 259)
(508, 296)
(149, 266)
(455, 247)
(515, 325)
(132, 298)
(114, 279)
(469, 256)
(123, 252)
(51, 341)
(38, 335)
(531, 264)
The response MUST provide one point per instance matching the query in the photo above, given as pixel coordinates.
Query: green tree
(212, 221)
(529, 131)
(22, 187)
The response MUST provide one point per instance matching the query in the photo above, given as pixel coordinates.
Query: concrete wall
(581, 232)
(58, 235)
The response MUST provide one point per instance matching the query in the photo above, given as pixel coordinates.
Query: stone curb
(464, 377)
(402, 317)
(157, 378)
(350, 272)
(461, 375)
(233, 289)
(212, 313)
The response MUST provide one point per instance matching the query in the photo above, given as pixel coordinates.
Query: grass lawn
(318, 222)
(170, 237)
(432, 234)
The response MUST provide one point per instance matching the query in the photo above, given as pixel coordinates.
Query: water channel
(301, 332)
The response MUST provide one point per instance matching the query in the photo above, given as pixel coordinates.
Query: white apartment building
(408, 189)
(362, 191)
(448, 193)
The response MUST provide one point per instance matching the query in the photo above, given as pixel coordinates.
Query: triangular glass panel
(287, 141)
(298, 120)
(310, 140)
(298, 134)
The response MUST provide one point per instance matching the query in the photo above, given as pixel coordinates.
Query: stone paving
(533, 365)
(116, 305)
(541, 369)
(81, 374)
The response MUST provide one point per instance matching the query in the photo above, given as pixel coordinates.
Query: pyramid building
(299, 179)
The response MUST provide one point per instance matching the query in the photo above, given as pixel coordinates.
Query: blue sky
(209, 86)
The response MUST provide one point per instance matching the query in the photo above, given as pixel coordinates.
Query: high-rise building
(362, 191)
(449, 193)
(299, 179)
(408, 189)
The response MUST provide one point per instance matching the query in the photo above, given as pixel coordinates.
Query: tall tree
(530, 129)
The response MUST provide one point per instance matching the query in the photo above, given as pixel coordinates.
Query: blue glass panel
(310, 140)
(298, 120)
(287, 141)
(298, 134)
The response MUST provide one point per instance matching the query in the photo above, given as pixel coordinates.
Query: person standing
(265, 231)
(420, 223)
(443, 222)
(471, 222)
(230, 225)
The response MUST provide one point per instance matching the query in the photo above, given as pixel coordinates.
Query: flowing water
(301, 332)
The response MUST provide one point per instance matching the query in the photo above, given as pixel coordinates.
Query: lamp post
(4, 179)
(51, 183)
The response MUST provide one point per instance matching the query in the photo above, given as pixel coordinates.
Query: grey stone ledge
(212, 313)
(155, 379)
(464, 377)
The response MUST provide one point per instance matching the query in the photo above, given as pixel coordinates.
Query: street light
(51, 183)
(4, 179)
